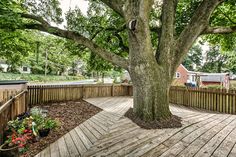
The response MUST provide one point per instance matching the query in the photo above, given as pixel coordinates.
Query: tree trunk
(150, 93)
(151, 79)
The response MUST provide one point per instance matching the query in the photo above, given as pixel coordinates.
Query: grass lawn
(38, 78)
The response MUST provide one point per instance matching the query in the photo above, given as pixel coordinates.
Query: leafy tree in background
(13, 46)
(149, 38)
(53, 54)
(231, 62)
(193, 60)
(215, 60)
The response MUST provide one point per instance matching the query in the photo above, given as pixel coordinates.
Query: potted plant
(45, 127)
(15, 144)
(9, 150)
(16, 136)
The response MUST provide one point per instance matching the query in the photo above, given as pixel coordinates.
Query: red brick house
(183, 76)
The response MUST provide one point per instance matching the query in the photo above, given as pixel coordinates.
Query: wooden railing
(218, 100)
(10, 109)
(210, 99)
(6, 94)
(39, 94)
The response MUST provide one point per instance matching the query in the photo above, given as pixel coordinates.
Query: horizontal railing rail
(10, 109)
(6, 94)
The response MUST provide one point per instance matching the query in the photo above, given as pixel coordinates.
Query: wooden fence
(209, 99)
(10, 109)
(39, 94)
(6, 94)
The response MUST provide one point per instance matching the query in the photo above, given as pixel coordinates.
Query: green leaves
(194, 57)
(105, 28)
(48, 9)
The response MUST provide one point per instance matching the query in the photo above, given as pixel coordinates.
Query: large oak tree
(156, 34)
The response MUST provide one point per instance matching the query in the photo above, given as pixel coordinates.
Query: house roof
(213, 78)
(184, 67)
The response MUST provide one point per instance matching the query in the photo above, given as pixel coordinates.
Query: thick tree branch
(45, 27)
(115, 5)
(193, 30)
(219, 30)
(166, 38)
(36, 18)
(117, 30)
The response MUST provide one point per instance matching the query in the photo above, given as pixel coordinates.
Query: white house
(3, 65)
(22, 69)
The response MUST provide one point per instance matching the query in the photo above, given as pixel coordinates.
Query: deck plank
(233, 151)
(172, 142)
(101, 129)
(78, 142)
(226, 146)
(71, 146)
(63, 148)
(54, 149)
(89, 135)
(83, 137)
(211, 145)
(197, 144)
(109, 133)
(92, 129)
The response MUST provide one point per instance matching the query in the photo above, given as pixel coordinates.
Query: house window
(25, 69)
(177, 75)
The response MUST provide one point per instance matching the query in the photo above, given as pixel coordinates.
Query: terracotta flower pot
(9, 152)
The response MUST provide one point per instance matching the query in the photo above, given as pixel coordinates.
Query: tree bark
(150, 93)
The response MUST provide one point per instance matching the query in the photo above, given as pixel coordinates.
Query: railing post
(83, 92)
(112, 90)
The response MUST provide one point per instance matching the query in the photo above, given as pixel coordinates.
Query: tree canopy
(105, 26)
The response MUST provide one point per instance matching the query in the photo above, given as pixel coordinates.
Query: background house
(183, 76)
(3, 66)
(213, 78)
(22, 69)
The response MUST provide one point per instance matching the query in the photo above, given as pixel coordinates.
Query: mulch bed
(173, 122)
(70, 115)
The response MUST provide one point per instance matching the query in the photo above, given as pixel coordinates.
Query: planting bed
(70, 115)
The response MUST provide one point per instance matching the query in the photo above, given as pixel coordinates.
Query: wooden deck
(110, 134)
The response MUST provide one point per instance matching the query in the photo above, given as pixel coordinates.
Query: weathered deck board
(54, 149)
(109, 133)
